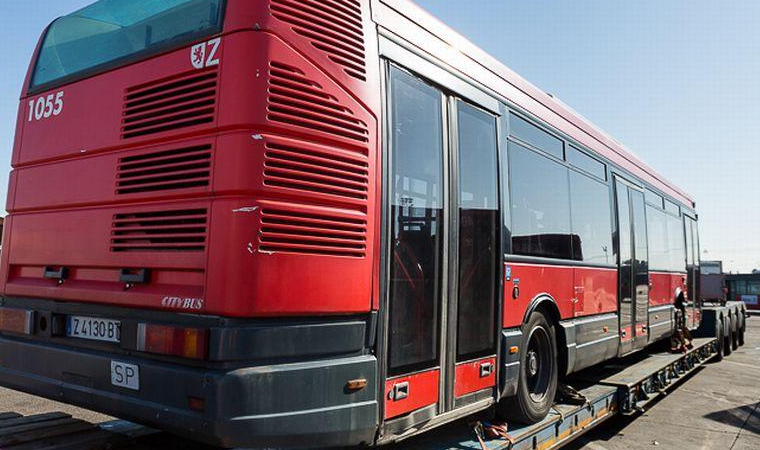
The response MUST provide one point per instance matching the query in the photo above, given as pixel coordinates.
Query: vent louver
(315, 171)
(168, 231)
(164, 170)
(332, 26)
(170, 104)
(296, 100)
(315, 234)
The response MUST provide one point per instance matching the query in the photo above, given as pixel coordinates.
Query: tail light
(19, 321)
(190, 343)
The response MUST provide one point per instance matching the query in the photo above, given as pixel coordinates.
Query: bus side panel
(596, 291)
(662, 289)
(577, 291)
(532, 281)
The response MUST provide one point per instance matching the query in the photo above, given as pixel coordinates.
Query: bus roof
(565, 118)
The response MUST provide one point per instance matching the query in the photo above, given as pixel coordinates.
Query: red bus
(290, 223)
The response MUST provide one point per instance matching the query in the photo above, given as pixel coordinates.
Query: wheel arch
(545, 303)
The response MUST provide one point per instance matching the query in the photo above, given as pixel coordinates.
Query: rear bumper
(303, 404)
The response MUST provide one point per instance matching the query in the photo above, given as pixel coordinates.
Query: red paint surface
(423, 391)
(664, 287)
(467, 378)
(594, 289)
(63, 199)
(534, 280)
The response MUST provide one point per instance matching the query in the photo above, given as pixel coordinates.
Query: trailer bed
(617, 388)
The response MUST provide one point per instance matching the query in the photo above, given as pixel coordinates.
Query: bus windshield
(112, 32)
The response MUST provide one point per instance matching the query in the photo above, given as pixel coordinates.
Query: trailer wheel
(721, 341)
(741, 332)
(727, 339)
(537, 383)
(735, 340)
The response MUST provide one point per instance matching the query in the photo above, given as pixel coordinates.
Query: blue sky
(677, 81)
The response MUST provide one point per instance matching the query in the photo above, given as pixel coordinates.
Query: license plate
(94, 328)
(125, 375)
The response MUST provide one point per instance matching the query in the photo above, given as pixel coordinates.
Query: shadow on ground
(740, 417)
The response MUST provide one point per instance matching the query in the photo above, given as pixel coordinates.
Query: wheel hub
(532, 363)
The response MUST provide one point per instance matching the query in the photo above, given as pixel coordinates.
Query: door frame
(447, 408)
(630, 345)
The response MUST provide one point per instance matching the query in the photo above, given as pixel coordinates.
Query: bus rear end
(192, 219)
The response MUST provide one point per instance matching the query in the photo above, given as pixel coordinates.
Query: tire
(735, 341)
(734, 333)
(727, 342)
(741, 333)
(537, 384)
(721, 341)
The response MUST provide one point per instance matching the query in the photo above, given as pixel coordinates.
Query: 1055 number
(46, 106)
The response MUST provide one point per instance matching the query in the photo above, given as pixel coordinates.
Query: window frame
(539, 126)
(570, 147)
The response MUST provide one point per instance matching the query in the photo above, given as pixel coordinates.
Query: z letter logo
(204, 55)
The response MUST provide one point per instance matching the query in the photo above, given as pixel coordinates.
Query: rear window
(112, 32)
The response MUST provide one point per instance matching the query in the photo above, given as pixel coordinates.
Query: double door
(693, 302)
(633, 262)
(444, 259)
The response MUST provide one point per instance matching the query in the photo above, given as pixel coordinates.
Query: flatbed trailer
(623, 387)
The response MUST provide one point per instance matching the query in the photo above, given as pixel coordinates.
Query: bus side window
(539, 204)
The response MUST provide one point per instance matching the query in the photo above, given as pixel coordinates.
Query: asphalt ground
(718, 407)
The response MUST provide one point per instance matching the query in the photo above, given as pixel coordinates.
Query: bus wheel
(719, 337)
(537, 383)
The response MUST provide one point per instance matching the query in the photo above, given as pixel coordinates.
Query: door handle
(486, 369)
(400, 391)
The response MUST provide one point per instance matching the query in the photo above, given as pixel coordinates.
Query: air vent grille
(298, 101)
(316, 234)
(314, 171)
(332, 26)
(160, 231)
(170, 104)
(164, 170)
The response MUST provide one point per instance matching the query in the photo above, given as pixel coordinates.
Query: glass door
(444, 251)
(693, 302)
(633, 263)
(417, 216)
(478, 257)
